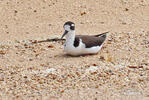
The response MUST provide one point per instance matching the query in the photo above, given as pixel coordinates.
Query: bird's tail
(102, 34)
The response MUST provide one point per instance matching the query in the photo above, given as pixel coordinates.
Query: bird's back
(93, 40)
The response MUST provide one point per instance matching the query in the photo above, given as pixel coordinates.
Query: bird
(77, 45)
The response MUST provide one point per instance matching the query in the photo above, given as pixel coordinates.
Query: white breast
(80, 50)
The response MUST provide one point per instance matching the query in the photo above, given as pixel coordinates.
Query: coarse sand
(30, 70)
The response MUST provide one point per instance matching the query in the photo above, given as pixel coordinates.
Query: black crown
(71, 24)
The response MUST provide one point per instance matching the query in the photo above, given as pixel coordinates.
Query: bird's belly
(81, 50)
(72, 50)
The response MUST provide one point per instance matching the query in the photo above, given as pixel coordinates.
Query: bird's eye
(72, 27)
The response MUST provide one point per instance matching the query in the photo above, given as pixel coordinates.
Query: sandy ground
(30, 70)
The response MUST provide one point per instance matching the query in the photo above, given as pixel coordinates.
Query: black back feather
(90, 41)
(76, 42)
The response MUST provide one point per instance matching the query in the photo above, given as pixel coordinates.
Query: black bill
(64, 34)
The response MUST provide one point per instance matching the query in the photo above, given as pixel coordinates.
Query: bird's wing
(91, 41)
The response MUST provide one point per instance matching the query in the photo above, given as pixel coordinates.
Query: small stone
(50, 46)
(2, 52)
(15, 11)
(94, 64)
(102, 58)
(50, 70)
(124, 23)
(25, 76)
(126, 9)
(62, 91)
(92, 69)
(35, 10)
(30, 59)
(83, 13)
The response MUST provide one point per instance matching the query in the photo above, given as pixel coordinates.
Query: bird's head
(69, 27)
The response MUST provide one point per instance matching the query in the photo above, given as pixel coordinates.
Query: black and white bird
(76, 45)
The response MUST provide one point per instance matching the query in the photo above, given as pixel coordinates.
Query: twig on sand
(49, 40)
(135, 66)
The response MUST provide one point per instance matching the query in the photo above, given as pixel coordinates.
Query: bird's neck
(70, 37)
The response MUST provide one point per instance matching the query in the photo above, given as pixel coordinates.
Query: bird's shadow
(71, 56)
(67, 56)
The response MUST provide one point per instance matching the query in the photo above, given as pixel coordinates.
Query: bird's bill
(64, 34)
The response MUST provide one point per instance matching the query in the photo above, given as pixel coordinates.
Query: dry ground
(30, 70)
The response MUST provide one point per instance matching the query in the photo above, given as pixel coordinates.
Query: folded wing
(90, 41)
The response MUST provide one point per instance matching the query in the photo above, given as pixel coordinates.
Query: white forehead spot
(72, 25)
(67, 27)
